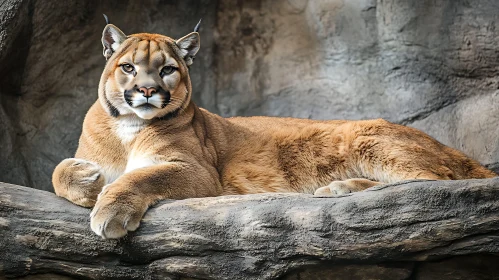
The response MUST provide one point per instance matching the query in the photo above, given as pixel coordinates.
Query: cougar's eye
(167, 70)
(127, 68)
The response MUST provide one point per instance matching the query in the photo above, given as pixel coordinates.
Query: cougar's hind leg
(346, 186)
(390, 153)
(380, 154)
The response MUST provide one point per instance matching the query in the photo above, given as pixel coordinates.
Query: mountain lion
(144, 140)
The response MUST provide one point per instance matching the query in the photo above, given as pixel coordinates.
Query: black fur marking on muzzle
(175, 112)
(129, 95)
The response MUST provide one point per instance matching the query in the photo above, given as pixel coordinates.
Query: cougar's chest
(127, 129)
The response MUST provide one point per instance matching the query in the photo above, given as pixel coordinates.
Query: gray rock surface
(412, 230)
(429, 64)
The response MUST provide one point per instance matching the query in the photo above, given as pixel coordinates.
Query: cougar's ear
(189, 46)
(112, 37)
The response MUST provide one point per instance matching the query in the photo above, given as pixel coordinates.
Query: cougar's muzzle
(147, 96)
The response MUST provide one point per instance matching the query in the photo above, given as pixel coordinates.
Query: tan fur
(194, 153)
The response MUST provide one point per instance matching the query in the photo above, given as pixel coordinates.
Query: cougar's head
(146, 74)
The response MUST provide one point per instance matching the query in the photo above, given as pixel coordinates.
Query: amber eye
(167, 70)
(127, 68)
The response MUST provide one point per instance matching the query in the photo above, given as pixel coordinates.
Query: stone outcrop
(428, 64)
(410, 230)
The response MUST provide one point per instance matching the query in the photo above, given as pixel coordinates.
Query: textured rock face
(429, 64)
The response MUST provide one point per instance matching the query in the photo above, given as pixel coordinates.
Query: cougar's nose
(147, 92)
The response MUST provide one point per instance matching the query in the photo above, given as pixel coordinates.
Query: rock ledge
(416, 230)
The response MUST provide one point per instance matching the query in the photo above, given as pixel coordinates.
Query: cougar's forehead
(150, 52)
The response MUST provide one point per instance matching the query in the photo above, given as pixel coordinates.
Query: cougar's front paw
(116, 213)
(78, 180)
